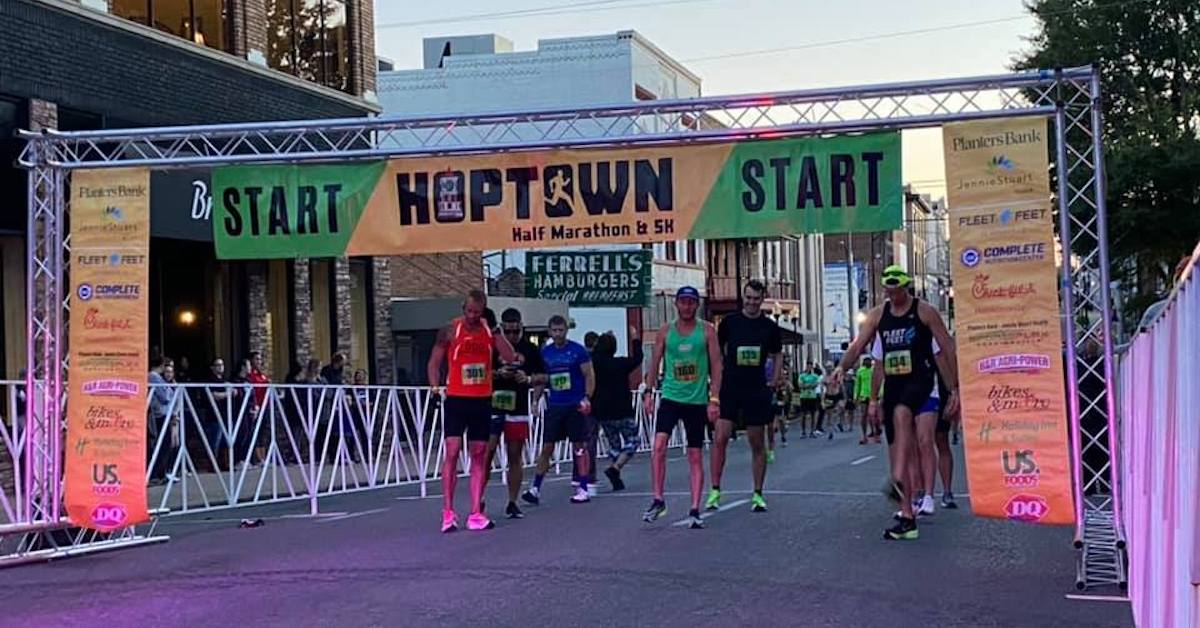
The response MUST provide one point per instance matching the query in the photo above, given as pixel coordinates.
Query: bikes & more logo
(1020, 469)
(1026, 507)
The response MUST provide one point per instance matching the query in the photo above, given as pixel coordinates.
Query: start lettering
(282, 211)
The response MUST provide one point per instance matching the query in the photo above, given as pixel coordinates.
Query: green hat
(895, 277)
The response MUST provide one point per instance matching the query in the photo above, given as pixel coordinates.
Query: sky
(832, 44)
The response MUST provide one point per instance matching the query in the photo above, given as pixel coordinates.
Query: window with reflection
(205, 22)
(310, 39)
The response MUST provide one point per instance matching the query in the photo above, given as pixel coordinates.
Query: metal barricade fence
(12, 442)
(229, 445)
(1160, 476)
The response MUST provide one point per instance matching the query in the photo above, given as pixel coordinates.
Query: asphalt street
(377, 559)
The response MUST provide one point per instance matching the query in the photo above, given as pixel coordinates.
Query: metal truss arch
(1069, 97)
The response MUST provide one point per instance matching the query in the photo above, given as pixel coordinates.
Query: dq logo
(1020, 469)
(1028, 508)
(109, 515)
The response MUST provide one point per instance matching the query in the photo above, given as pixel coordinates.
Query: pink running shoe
(479, 521)
(449, 521)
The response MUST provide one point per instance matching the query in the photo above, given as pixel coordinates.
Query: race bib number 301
(749, 356)
(897, 363)
(560, 381)
(474, 374)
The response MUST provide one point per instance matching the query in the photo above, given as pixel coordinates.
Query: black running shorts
(747, 407)
(694, 417)
(472, 415)
(565, 422)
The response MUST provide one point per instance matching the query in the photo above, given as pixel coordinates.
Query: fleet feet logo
(1027, 508)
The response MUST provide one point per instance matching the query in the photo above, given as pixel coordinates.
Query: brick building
(94, 64)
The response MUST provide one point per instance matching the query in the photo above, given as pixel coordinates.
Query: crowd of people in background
(222, 395)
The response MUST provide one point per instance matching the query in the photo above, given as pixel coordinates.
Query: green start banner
(590, 278)
(558, 198)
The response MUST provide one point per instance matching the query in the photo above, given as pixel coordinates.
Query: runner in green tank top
(691, 380)
(686, 364)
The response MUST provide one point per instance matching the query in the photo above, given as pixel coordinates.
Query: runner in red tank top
(466, 344)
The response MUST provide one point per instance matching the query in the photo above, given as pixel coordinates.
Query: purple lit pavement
(816, 559)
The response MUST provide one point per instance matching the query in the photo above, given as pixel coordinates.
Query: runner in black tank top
(908, 367)
(906, 329)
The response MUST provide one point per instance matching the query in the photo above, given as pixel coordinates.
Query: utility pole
(851, 294)
(737, 271)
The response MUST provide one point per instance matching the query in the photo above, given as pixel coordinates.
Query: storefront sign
(181, 204)
(590, 278)
(559, 198)
(105, 472)
(1008, 335)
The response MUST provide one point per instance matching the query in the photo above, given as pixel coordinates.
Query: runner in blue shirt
(571, 383)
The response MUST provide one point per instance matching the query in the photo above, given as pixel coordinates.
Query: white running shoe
(580, 497)
(926, 505)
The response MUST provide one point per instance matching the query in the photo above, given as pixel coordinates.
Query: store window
(310, 39)
(205, 22)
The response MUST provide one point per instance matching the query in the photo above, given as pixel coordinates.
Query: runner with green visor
(895, 277)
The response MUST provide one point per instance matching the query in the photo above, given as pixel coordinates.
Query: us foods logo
(1020, 469)
(105, 481)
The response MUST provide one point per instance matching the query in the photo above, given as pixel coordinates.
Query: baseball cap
(687, 292)
(895, 277)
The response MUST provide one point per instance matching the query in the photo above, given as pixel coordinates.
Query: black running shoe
(532, 497)
(948, 502)
(656, 510)
(514, 511)
(694, 520)
(614, 476)
(904, 530)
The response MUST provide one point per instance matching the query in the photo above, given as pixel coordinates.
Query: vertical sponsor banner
(105, 468)
(839, 297)
(1009, 336)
